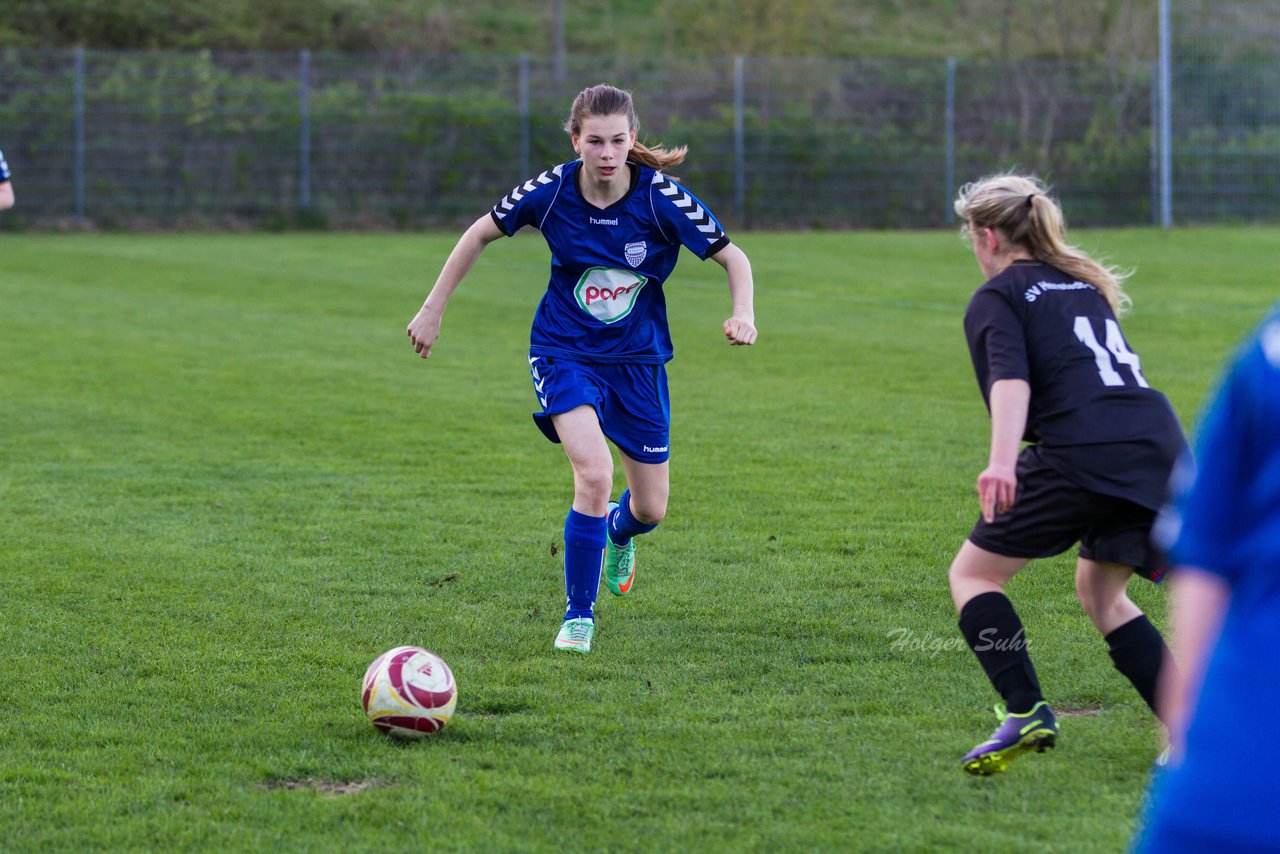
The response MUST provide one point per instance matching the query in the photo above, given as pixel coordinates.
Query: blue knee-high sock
(622, 525)
(583, 554)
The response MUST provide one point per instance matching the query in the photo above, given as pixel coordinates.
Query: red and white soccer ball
(409, 692)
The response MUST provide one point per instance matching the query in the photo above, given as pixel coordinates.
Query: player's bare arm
(998, 483)
(740, 328)
(1197, 607)
(424, 329)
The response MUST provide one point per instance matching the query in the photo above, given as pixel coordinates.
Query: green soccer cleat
(576, 635)
(1017, 734)
(619, 563)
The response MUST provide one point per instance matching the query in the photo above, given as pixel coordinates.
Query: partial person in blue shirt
(615, 223)
(6, 185)
(1222, 531)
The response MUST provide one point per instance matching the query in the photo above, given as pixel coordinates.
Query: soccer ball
(409, 692)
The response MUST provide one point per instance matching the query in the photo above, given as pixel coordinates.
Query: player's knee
(962, 572)
(1096, 599)
(649, 512)
(593, 483)
(969, 577)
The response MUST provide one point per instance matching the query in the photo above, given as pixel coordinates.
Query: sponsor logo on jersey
(1040, 288)
(608, 294)
(595, 221)
(635, 253)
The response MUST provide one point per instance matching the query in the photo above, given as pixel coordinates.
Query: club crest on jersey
(635, 253)
(608, 294)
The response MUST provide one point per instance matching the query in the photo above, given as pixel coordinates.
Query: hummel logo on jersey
(635, 253)
(504, 207)
(661, 450)
(685, 202)
(608, 294)
(595, 221)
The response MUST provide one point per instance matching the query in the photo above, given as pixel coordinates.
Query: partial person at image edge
(1222, 531)
(6, 185)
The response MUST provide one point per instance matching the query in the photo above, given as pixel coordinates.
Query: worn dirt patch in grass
(329, 787)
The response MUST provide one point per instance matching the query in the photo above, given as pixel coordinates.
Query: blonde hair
(1022, 209)
(606, 100)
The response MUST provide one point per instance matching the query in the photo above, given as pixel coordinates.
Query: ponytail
(1021, 207)
(657, 158)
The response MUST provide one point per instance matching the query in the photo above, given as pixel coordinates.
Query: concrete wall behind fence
(274, 139)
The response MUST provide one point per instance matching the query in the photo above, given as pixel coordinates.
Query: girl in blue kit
(615, 224)
(1218, 792)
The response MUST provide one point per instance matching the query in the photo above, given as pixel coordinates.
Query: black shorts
(1050, 514)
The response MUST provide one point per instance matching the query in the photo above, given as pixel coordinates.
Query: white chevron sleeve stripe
(508, 202)
(686, 205)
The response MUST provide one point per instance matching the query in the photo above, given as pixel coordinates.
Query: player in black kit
(1055, 371)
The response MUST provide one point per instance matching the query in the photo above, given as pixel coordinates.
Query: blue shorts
(630, 400)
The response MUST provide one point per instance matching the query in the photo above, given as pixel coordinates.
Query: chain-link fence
(1226, 109)
(193, 139)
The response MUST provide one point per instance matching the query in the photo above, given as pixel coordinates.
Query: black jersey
(1093, 413)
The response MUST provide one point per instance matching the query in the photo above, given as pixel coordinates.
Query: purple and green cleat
(1017, 734)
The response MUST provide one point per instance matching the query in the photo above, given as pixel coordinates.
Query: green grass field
(227, 484)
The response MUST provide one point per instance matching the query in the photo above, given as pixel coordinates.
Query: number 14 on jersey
(1116, 348)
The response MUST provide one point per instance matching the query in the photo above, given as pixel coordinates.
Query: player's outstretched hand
(740, 331)
(997, 487)
(423, 331)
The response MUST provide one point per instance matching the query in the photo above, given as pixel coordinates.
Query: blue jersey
(4, 169)
(604, 302)
(1226, 521)
(1226, 517)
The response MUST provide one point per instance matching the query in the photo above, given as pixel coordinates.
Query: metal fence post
(304, 133)
(1166, 120)
(525, 154)
(739, 140)
(951, 137)
(79, 133)
(1155, 142)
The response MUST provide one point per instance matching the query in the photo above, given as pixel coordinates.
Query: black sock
(1138, 652)
(993, 631)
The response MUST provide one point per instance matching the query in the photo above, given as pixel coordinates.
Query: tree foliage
(1092, 29)
(348, 25)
